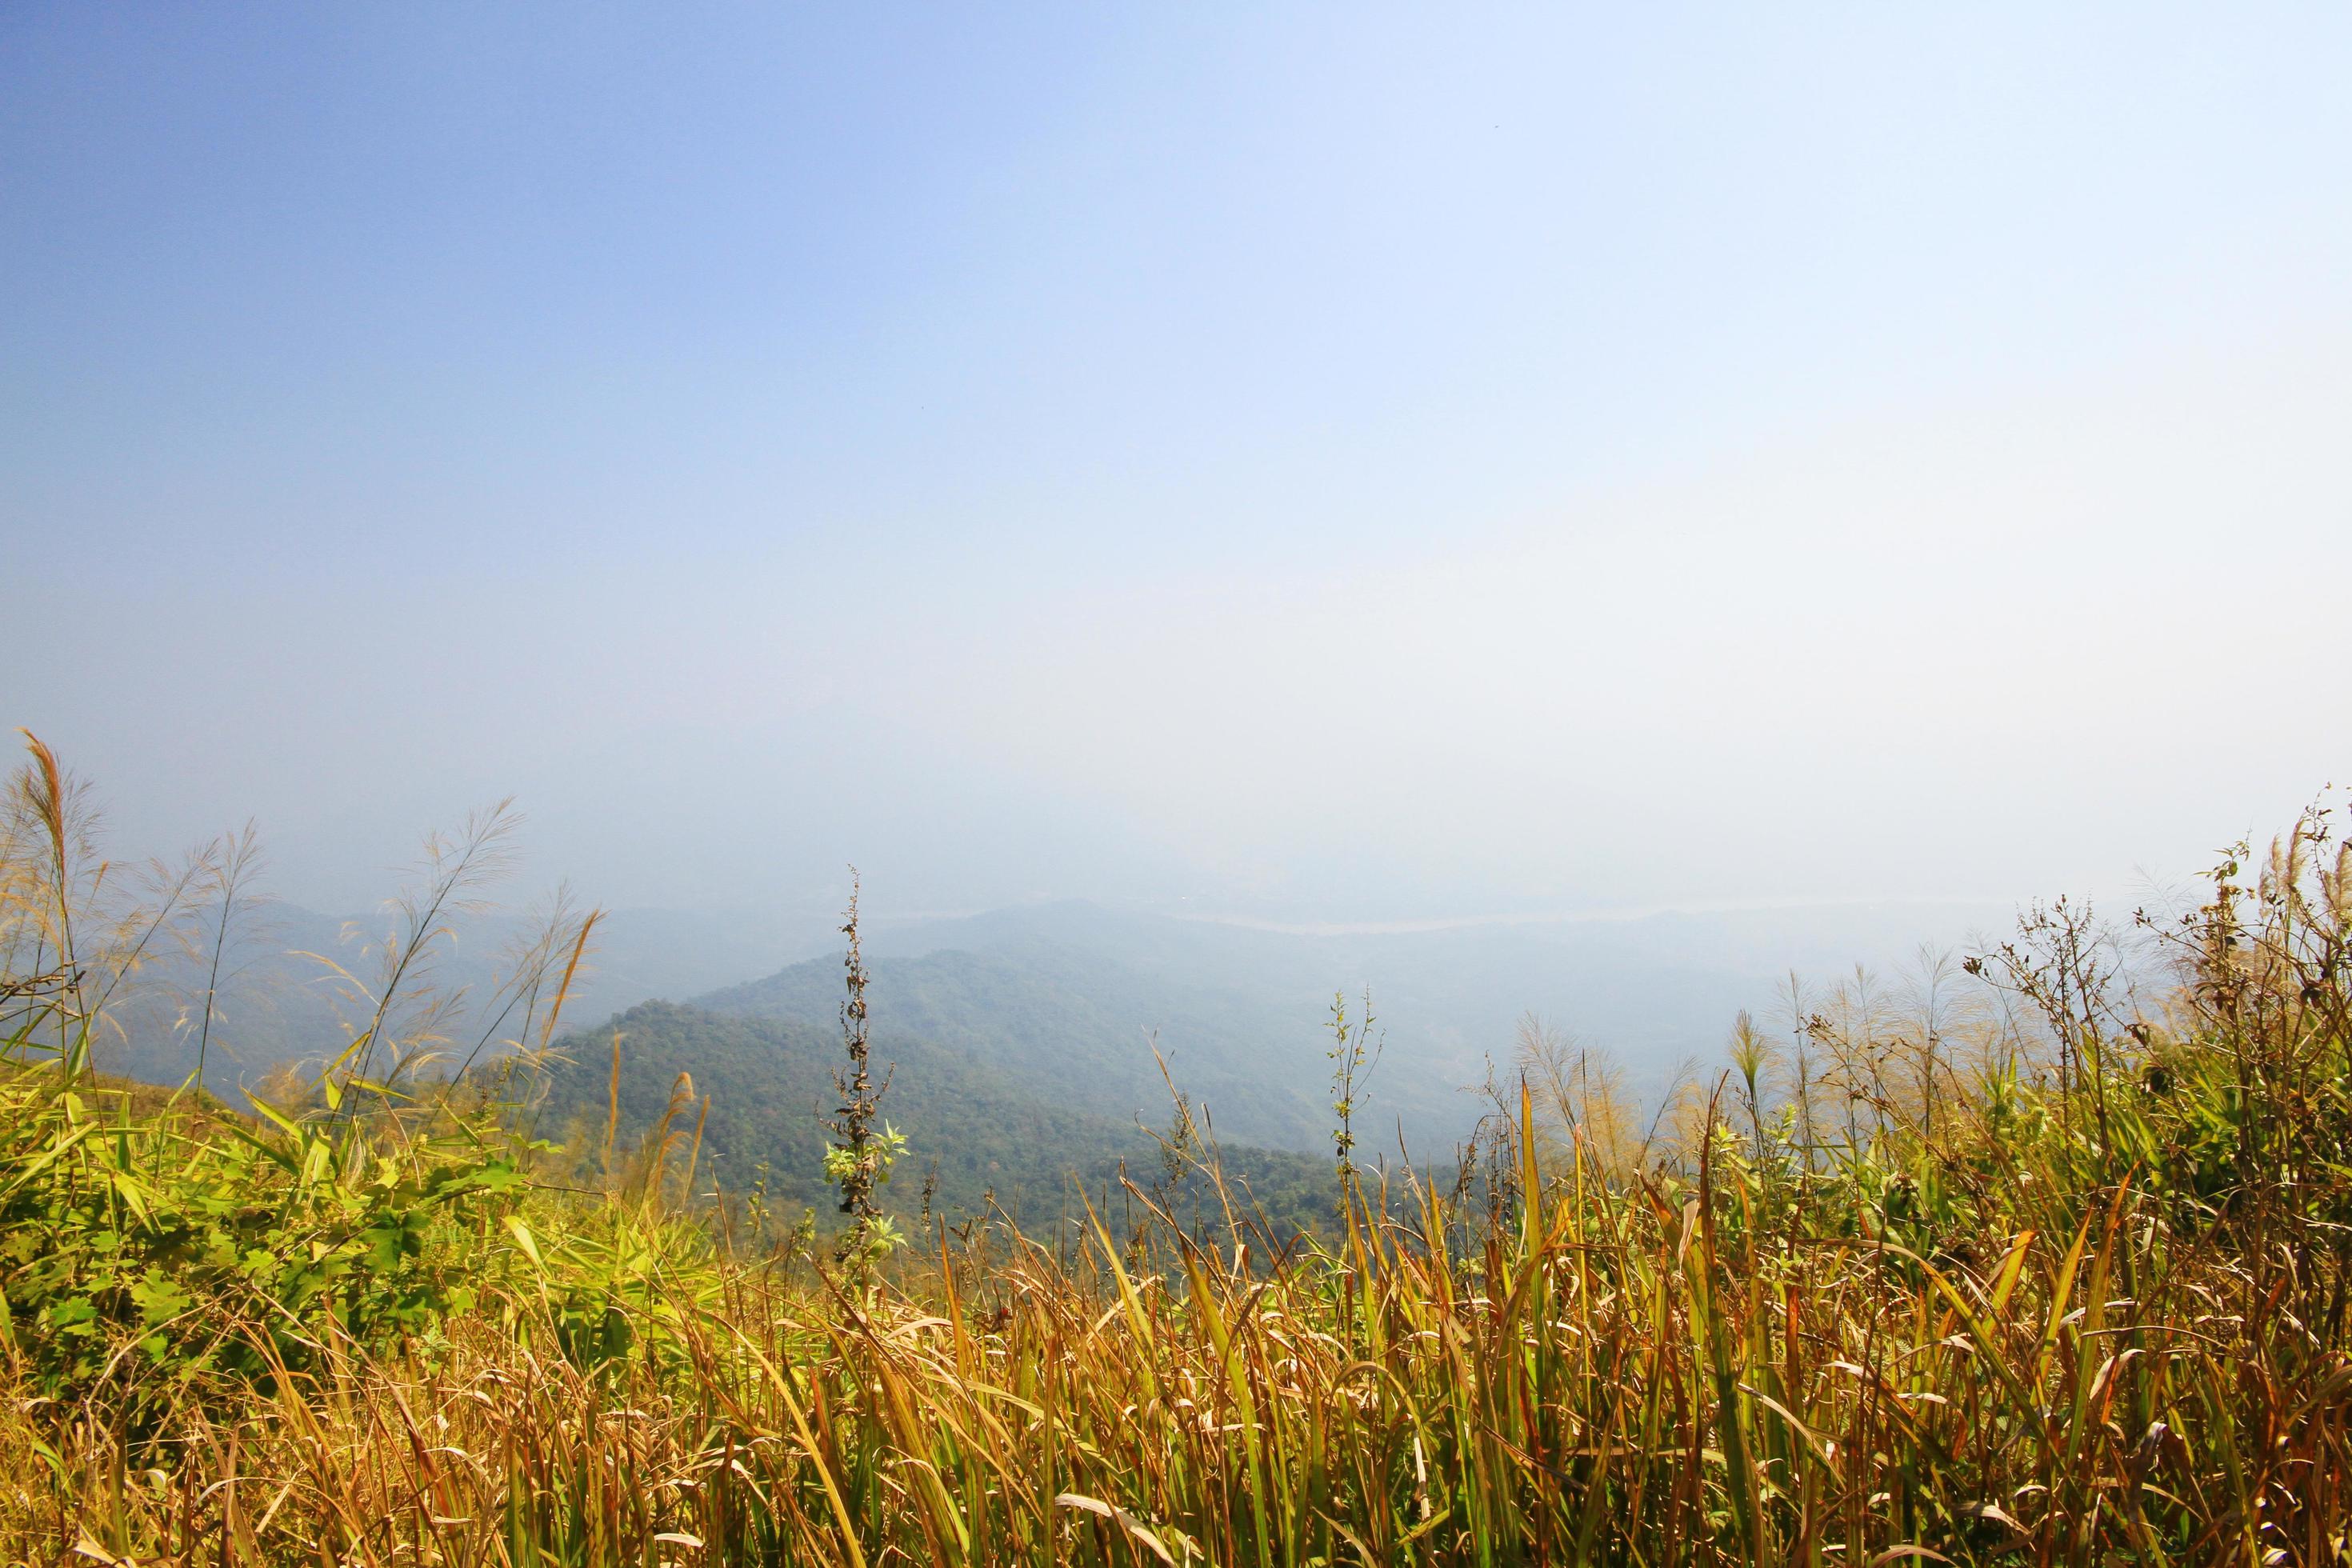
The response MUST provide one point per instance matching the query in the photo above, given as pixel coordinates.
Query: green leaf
(524, 1239)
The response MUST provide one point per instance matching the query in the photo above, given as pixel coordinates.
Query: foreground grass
(1595, 1381)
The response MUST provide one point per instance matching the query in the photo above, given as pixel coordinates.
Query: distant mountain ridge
(1023, 1037)
(1066, 997)
(1079, 1029)
(771, 1090)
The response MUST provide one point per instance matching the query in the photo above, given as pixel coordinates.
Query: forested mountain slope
(975, 1131)
(1079, 1029)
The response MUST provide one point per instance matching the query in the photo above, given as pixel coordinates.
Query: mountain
(1023, 1038)
(977, 1133)
(1077, 1027)
(771, 1086)
(1067, 998)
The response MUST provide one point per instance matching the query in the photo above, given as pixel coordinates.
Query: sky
(1312, 463)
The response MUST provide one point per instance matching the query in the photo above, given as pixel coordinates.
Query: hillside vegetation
(985, 1143)
(2049, 1267)
(1066, 1022)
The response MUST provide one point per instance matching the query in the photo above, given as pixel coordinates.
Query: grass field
(2048, 1264)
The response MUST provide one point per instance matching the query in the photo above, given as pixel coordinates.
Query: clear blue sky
(1340, 461)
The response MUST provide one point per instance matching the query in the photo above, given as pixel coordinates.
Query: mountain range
(1024, 1039)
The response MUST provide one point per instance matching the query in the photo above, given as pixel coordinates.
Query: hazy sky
(1325, 462)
